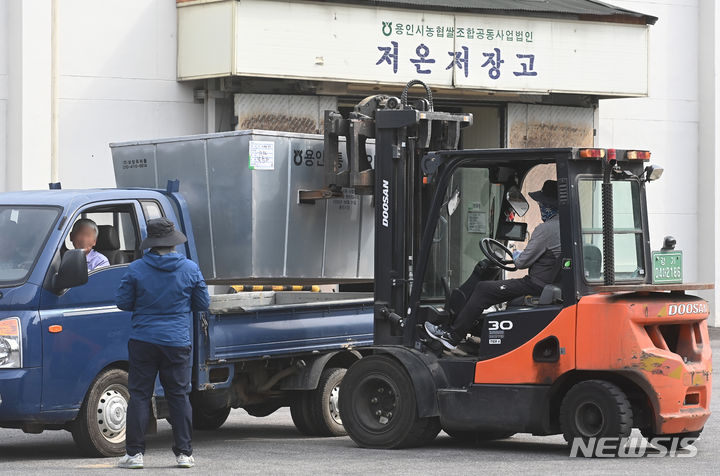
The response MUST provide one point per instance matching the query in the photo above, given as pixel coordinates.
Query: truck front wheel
(378, 406)
(99, 429)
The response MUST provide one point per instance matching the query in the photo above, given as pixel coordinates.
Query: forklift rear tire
(378, 406)
(595, 409)
(208, 419)
(478, 436)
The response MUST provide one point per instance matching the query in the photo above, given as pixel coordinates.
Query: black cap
(161, 232)
(547, 195)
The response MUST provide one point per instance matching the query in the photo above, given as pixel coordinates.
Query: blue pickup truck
(63, 341)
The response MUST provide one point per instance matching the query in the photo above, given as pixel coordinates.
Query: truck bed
(271, 324)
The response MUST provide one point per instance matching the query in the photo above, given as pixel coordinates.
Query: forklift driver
(541, 255)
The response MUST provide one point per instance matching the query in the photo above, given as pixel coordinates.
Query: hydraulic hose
(428, 92)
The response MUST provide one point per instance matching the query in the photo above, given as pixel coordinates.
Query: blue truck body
(261, 355)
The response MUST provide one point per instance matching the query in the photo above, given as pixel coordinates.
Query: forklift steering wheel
(489, 247)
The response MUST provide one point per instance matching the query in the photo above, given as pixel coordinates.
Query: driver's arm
(535, 248)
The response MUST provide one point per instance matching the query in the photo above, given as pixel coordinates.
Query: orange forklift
(615, 343)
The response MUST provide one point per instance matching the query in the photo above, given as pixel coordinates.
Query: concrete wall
(709, 149)
(3, 91)
(116, 82)
(27, 49)
(679, 123)
(669, 123)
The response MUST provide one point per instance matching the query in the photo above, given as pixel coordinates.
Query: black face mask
(546, 212)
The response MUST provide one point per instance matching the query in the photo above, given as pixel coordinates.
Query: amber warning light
(637, 155)
(592, 153)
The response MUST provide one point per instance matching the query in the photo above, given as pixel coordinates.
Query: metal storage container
(242, 190)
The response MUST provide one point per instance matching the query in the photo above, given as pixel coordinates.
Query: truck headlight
(10, 343)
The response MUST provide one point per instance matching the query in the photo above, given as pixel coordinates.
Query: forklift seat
(551, 294)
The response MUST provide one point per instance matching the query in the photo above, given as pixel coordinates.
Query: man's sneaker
(185, 461)
(441, 335)
(131, 462)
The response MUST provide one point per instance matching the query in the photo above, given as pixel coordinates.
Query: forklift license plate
(667, 267)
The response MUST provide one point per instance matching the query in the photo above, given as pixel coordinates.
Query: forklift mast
(405, 135)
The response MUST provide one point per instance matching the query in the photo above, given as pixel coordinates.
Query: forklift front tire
(595, 409)
(378, 406)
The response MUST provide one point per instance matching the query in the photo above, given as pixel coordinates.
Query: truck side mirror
(73, 271)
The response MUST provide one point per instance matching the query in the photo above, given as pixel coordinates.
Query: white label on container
(262, 155)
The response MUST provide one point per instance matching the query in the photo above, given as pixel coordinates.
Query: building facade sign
(350, 43)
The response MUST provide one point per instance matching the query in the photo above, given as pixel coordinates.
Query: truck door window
(127, 231)
(628, 231)
(151, 209)
(117, 233)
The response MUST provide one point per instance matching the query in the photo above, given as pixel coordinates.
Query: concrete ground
(271, 445)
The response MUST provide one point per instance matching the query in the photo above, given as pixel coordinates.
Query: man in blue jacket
(162, 290)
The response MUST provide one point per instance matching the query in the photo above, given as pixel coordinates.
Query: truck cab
(59, 324)
(63, 341)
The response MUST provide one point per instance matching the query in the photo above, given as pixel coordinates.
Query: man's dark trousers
(173, 364)
(487, 293)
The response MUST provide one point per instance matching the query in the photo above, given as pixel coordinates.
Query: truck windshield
(628, 230)
(23, 231)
